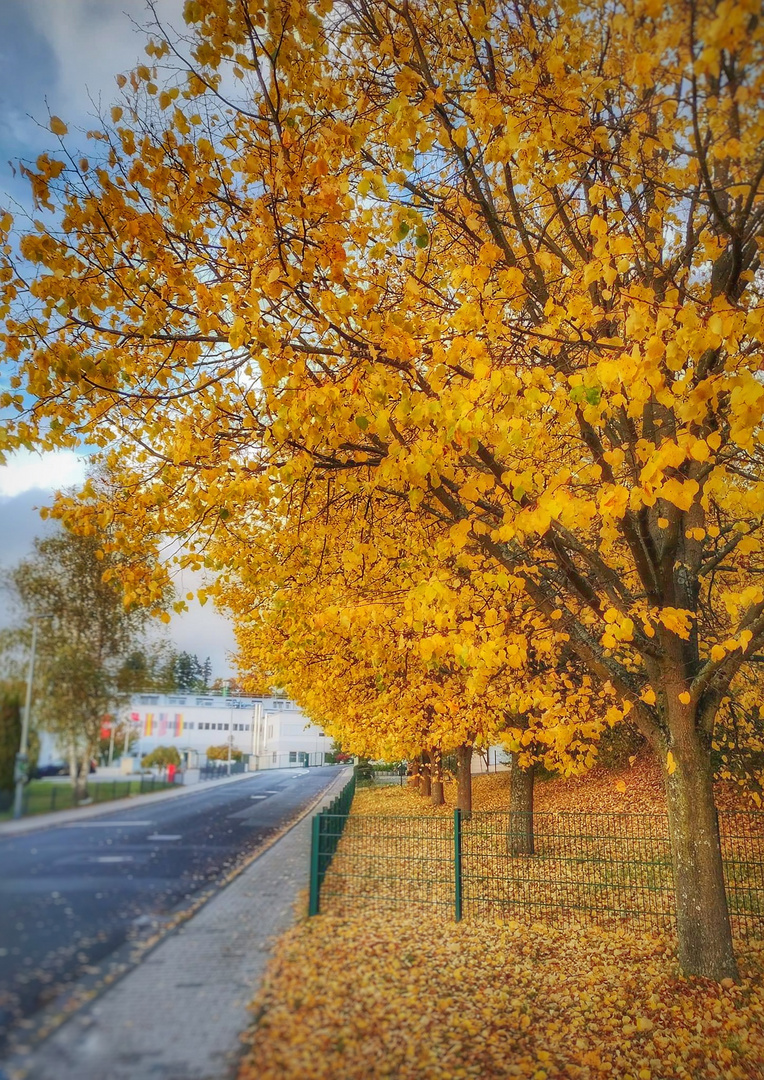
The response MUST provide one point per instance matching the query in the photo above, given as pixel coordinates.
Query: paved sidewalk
(113, 806)
(179, 1014)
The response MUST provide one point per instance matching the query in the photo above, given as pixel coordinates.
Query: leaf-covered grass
(425, 999)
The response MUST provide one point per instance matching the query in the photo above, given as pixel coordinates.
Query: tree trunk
(415, 777)
(438, 795)
(74, 772)
(520, 838)
(425, 776)
(702, 917)
(79, 769)
(464, 780)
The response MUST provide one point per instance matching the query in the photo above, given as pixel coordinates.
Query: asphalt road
(73, 898)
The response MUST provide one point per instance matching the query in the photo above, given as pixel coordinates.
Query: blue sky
(60, 57)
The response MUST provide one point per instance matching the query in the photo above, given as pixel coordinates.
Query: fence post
(457, 864)
(314, 856)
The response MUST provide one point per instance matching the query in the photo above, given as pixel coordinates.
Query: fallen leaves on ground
(636, 789)
(423, 999)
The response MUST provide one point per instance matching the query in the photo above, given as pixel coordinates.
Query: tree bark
(415, 777)
(702, 916)
(520, 838)
(437, 793)
(425, 775)
(464, 780)
(82, 776)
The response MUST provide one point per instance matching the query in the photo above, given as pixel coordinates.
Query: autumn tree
(495, 263)
(10, 737)
(86, 633)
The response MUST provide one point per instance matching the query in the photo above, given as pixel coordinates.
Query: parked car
(57, 768)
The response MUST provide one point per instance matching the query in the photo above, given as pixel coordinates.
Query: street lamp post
(230, 739)
(21, 770)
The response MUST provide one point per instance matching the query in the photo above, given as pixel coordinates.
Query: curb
(115, 806)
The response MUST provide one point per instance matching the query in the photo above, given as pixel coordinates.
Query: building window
(190, 727)
(322, 734)
(292, 755)
(270, 731)
(275, 756)
(206, 727)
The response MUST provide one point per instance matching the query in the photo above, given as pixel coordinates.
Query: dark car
(57, 768)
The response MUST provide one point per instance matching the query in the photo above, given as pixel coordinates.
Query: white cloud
(92, 40)
(28, 471)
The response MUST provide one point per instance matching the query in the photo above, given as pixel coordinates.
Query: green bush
(161, 757)
(220, 753)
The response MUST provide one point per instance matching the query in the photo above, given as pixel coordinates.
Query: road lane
(71, 896)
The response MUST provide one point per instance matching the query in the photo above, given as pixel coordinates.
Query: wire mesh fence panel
(603, 868)
(742, 840)
(568, 866)
(383, 861)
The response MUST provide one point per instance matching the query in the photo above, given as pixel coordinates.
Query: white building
(271, 731)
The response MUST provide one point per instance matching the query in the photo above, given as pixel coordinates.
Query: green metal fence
(556, 867)
(328, 826)
(45, 796)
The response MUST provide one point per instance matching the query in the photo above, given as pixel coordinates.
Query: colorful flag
(148, 727)
(178, 724)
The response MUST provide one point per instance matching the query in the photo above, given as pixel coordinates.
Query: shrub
(220, 753)
(161, 757)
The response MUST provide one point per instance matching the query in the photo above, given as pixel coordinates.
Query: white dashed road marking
(108, 824)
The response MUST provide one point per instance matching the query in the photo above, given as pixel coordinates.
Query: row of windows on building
(219, 727)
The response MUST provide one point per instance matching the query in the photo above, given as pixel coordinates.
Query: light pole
(230, 739)
(21, 771)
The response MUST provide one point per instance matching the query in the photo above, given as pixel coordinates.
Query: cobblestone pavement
(179, 1014)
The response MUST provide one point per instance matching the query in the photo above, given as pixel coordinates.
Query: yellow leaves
(700, 450)
(237, 335)
(57, 126)
(685, 698)
(670, 764)
(655, 348)
(620, 786)
(677, 620)
(748, 545)
(680, 493)
(459, 534)
(116, 113)
(614, 500)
